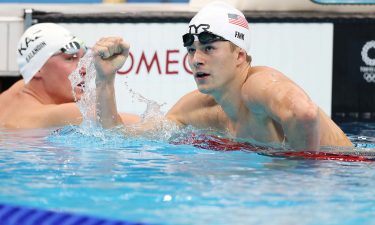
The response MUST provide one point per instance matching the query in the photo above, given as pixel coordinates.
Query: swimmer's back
(20, 110)
(8, 103)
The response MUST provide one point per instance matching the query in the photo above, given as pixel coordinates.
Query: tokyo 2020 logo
(368, 70)
(365, 50)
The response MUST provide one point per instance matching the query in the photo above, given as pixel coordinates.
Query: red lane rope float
(324, 156)
(222, 144)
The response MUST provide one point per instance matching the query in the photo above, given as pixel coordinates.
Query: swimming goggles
(204, 38)
(73, 47)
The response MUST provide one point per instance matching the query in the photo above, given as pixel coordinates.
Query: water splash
(153, 124)
(87, 101)
(153, 108)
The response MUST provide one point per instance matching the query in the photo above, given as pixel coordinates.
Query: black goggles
(204, 38)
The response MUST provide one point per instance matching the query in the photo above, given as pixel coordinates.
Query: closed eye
(71, 57)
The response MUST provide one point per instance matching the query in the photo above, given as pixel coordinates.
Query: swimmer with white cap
(252, 103)
(47, 54)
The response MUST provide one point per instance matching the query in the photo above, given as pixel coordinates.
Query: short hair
(233, 47)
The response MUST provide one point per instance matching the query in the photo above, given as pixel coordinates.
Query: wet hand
(110, 55)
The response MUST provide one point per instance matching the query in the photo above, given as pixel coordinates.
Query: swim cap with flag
(39, 43)
(223, 20)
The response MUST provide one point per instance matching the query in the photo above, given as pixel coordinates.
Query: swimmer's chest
(256, 127)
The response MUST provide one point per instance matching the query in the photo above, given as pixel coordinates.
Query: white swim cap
(39, 43)
(223, 20)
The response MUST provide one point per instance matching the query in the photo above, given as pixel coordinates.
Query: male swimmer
(47, 53)
(257, 104)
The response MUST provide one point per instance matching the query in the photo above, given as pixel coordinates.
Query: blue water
(150, 180)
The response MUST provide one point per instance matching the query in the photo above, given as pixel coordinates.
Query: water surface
(151, 180)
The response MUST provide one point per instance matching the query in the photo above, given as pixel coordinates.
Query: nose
(198, 59)
(81, 53)
(82, 71)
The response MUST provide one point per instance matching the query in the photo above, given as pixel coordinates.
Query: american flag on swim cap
(224, 20)
(238, 20)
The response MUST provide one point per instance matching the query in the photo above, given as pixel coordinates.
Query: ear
(38, 75)
(241, 56)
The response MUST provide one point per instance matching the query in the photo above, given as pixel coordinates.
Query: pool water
(150, 180)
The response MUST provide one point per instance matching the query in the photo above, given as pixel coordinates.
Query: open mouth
(201, 75)
(81, 85)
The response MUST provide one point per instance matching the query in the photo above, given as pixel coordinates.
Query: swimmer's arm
(290, 106)
(130, 119)
(299, 120)
(107, 113)
(298, 116)
(106, 108)
(110, 55)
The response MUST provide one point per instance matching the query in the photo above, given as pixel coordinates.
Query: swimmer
(46, 54)
(253, 103)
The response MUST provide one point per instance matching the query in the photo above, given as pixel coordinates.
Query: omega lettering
(170, 62)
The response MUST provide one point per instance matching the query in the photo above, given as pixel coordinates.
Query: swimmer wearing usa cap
(255, 104)
(47, 54)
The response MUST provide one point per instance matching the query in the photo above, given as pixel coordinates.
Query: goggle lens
(204, 38)
(73, 48)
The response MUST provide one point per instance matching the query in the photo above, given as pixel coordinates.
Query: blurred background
(93, 1)
(325, 46)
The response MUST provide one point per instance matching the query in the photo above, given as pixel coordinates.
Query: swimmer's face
(212, 64)
(55, 76)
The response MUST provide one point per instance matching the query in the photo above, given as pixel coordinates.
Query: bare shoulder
(36, 115)
(196, 109)
(191, 101)
(260, 77)
(57, 115)
(261, 81)
(16, 87)
(194, 99)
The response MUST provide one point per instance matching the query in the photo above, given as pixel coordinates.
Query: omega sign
(368, 70)
(170, 62)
